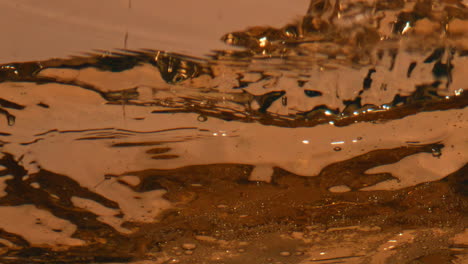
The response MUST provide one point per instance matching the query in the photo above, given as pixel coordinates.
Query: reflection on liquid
(340, 138)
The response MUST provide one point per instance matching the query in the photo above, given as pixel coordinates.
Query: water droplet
(284, 100)
(337, 148)
(285, 253)
(11, 120)
(202, 118)
(436, 152)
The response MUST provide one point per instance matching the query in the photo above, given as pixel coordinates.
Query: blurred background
(38, 30)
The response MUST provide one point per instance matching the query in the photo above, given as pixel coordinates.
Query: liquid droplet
(202, 118)
(436, 152)
(11, 120)
(337, 148)
(284, 101)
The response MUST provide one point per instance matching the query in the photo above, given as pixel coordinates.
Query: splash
(359, 106)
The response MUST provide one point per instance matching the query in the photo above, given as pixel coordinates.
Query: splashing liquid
(339, 137)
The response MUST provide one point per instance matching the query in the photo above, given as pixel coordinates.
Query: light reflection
(407, 27)
(458, 92)
(337, 142)
(305, 141)
(220, 133)
(263, 42)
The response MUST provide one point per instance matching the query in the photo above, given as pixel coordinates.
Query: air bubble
(189, 246)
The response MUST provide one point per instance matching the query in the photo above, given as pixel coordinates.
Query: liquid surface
(340, 137)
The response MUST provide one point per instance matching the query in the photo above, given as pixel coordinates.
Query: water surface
(340, 137)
